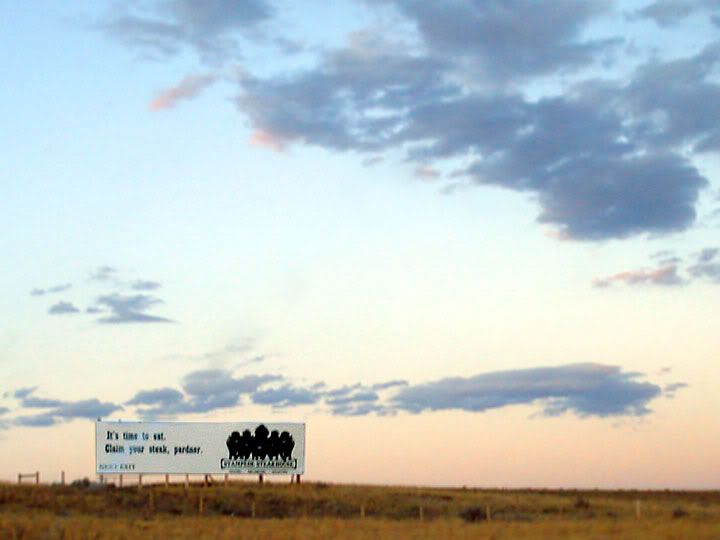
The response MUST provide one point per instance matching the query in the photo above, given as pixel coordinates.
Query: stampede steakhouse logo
(264, 450)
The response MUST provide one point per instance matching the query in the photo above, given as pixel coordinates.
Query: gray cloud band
(582, 389)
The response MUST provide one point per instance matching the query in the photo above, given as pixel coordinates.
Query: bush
(582, 504)
(680, 513)
(473, 514)
(84, 483)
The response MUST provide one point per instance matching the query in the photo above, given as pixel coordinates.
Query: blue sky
(371, 216)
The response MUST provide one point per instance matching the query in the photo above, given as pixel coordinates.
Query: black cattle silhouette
(234, 443)
(261, 445)
(274, 444)
(286, 445)
(246, 442)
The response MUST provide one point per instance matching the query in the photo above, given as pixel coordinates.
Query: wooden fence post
(638, 512)
(227, 479)
(297, 479)
(19, 478)
(140, 481)
(201, 504)
(187, 481)
(421, 513)
(260, 478)
(362, 511)
(252, 509)
(37, 478)
(62, 478)
(167, 480)
(121, 480)
(151, 501)
(488, 515)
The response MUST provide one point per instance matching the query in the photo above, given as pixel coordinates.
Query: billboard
(199, 447)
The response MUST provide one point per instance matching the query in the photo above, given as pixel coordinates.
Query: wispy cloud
(203, 391)
(104, 273)
(130, 309)
(58, 410)
(210, 28)
(666, 275)
(51, 290)
(189, 87)
(145, 285)
(706, 266)
(63, 308)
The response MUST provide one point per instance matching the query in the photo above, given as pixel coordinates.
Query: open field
(246, 510)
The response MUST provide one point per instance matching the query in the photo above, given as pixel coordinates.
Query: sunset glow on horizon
(469, 244)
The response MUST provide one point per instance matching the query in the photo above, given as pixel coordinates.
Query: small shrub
(84, 483)
(680, 513)
(473, 513)
(582, 504)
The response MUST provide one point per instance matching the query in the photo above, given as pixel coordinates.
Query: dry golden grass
(49, 526)
(315, 511)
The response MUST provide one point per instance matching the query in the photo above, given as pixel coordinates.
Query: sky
(471, 243)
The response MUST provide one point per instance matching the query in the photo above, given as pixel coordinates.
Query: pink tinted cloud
(665, 275)
(427, 172)
(268, 139)
(189, 87)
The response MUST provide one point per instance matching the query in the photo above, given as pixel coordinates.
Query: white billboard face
(199, 447)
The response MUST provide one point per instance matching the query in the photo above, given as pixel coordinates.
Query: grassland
(316, 510)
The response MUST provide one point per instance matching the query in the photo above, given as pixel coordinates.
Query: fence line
(35, 475)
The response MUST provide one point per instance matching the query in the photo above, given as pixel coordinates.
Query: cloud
(205, 391)
(269, 140)
(360, 399)
(427, 172)
(63, 308)
(159, 396)
(486, 34)
(665, 275)
(358, 403)
(707, 270)
(596, 159)
(129, 309)
(60, 410)
(331, 105)
(22, 393)
(585, 389)
(32, 402)
(166, 28)
(189, 87)
(389, 384)
(670, 389)
(103, 273)
(707, 255)
(51, 290)
(36, 420)
(526, 110)
(666, 257)
(672, 12)
(88, 408)
(286, 396)
(144, 285)
(207, 382)
(707, 265)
